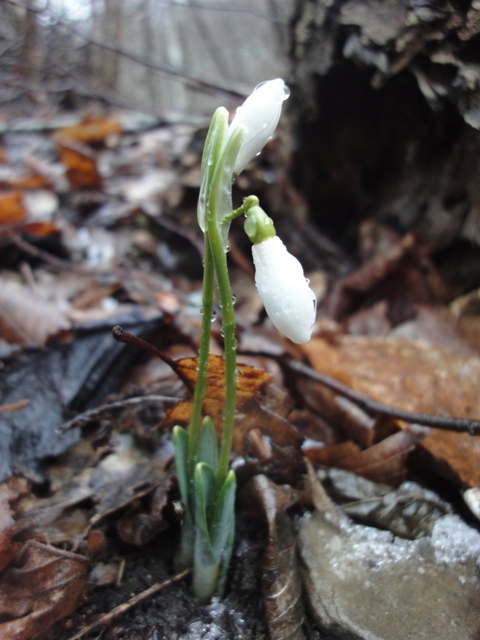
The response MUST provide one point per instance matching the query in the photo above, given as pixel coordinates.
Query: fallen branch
(377, 408)
(95, 414)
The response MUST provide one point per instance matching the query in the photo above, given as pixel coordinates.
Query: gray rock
(367, 584)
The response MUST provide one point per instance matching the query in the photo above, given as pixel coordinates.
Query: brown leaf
(6, 528)
(382, 462)
(137, 527)
(396, 274)
(12, 208)
(40, 229)
(27, 318)
(91, 130)
(416, 377)
(260, 404)
(41, 586)
(281, 586)
(81, 166)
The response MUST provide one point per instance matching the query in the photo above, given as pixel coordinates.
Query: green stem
(216, 223)
(248, 203)
(230, 349)
(208, 295)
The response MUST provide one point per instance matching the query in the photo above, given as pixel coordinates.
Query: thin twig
(14, 406)
(126, 606)
(128, 338)
(94, 414)
(373, 407)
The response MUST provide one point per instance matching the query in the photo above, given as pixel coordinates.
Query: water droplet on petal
(286, 92)
(234, 298)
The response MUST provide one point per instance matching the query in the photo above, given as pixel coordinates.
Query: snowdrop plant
(207, 485)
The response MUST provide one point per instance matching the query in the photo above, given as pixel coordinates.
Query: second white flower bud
(289, 302)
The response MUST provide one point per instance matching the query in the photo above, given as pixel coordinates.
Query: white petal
(289, 302)
(259, 114)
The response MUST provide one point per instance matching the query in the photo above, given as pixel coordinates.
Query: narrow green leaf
(224, 515)
(204, 488)
(226, 557)
(216, 137)
(207, 449)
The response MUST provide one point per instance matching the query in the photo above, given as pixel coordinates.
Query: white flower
(289, 302)
(259, 114)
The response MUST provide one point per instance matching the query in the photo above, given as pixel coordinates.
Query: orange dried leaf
(413, 376)
(81, 167)
(30, 182)
(91, 130)
(12, 208)
(257, 404)
(40, 229)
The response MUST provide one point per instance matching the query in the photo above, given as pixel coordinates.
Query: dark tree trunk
(390, 116)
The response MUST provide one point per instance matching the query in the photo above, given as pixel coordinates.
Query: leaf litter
(92, 513)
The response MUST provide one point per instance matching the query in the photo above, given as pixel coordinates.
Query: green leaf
(204, 483)
(207, 448)
(226, 557)
(223, 521)
(216, 137)
(221, 182)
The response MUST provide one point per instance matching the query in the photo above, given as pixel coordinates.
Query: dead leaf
(138, 527)
(385, 461)
(30, 181)
(260, 404)
(281, 586)
(80, 164)
(416, 377)
(27, 318)
(6, 528)
(397, 274)
(12, 208)
(91, 130)
(382, 462)
(42, 585)
(40, 229)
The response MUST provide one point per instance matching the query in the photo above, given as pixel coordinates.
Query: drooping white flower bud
(289, 302)
(259, 114)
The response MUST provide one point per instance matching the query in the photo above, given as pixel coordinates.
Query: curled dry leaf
(416, 377)
(260, 404)
(26, 317)
(91, 130)
(382, 462)
(281, 586)
(396, 274)
(12, 207)
(41, 585)
(80, 165)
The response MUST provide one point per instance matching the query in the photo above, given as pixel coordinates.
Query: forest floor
(357, 455)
